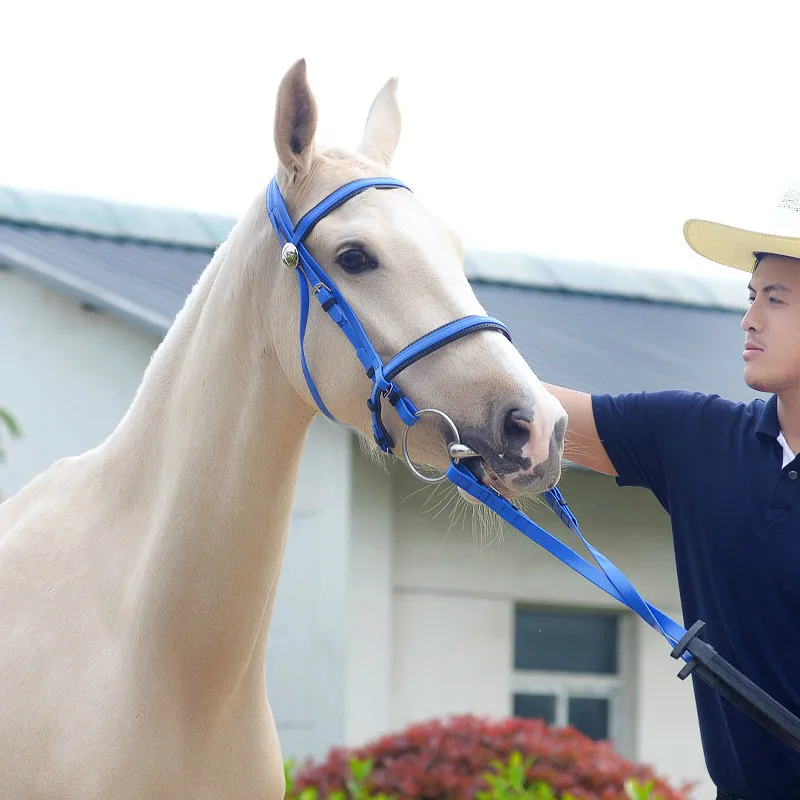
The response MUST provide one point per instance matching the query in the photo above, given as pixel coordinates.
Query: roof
(594, 327)
(118, 220)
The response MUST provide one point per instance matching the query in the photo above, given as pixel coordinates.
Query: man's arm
(582, 445)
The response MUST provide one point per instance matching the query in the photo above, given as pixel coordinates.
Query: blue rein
(605, 576)
(701, 659)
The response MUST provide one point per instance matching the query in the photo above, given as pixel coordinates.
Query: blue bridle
(310, 273)
(702, 660)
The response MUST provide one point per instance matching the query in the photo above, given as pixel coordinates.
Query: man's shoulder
(677, 407)
(684, 400)
(650, 437)
(703, 403)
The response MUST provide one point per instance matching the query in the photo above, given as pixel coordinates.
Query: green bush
(508, 781)
(448, 759)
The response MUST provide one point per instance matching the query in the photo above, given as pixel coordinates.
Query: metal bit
(458, 451)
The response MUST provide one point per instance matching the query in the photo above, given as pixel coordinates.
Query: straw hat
(776, 231)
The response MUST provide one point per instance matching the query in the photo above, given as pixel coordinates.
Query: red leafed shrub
(447, 760)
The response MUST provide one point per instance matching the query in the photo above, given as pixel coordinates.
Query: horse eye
(355, 261)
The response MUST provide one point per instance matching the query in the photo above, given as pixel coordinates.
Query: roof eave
(133, 313)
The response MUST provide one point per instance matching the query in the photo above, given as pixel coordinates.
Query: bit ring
(456, 450)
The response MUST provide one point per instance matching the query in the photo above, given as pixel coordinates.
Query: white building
(386, 612)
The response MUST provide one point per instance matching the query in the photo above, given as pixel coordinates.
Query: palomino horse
(137, 579)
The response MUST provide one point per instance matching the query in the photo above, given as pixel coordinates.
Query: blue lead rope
(605, 576)
(701, 659)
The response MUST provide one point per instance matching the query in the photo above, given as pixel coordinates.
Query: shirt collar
(768, 423)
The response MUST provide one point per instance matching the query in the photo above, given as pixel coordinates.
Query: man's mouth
(751, 351)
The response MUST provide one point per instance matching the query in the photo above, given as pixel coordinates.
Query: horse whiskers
(424, 488)
(492, 526)
(573, 440)
(529, 504)
(487, 528)
(456, 511)
(373, 453)
(451, 498)
(435, 494)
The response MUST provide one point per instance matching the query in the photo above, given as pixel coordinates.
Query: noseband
(309, 273)
(701, 659)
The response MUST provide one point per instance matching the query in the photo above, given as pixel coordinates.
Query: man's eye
(355, 261)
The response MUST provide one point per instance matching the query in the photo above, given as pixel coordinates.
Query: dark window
(535, 706)
(566, 670)
(589, 715)
(556, 641)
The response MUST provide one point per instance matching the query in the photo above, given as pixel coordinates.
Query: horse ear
(382, 129)
(295, 121)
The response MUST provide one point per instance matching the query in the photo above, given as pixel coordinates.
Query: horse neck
(205, 463)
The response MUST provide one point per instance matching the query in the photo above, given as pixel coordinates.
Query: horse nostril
(517, 427)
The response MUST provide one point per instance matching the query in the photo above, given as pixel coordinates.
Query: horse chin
(486, 477)
(468, 497)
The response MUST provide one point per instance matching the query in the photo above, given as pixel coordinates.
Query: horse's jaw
(484, 476)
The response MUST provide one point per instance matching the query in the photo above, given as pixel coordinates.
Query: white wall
(454, 605)
(306, 665)
(451, 656)
(370, 610)
(668, 733)
(67, 375)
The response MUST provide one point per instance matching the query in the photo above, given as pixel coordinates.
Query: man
(727, 475)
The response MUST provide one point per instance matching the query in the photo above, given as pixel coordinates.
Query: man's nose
(749, 320)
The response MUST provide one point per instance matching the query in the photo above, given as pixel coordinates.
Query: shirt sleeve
(648, 434)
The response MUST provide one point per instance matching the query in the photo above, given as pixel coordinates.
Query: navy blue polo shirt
(716, 468)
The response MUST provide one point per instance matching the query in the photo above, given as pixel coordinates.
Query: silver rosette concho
(290, 256)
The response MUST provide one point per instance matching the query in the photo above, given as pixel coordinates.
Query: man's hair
(757, 261)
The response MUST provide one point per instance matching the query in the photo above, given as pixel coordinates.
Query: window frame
(562, 686)
(616, 687)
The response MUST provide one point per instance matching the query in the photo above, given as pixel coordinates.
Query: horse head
(399, 268)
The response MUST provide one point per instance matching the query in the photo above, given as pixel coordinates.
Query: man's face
(772, 326)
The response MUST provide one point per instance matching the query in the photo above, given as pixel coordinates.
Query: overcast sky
(582, 130)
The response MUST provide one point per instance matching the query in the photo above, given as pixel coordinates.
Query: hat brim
(736, 247)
